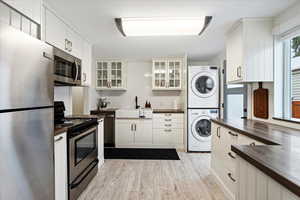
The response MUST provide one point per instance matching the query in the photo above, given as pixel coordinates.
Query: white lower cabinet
(143, 132)
(101, 142)
(223, 160)
(252, 184)
(163, 131)
(167, 137)
(133, 132)
(168, 130)
(61, 167)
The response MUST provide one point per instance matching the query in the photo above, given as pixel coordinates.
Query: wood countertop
(168, 111)
(280, 158)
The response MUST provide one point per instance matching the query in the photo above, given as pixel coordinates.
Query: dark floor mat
(141, 154)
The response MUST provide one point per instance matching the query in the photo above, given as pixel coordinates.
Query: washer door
(204, 84)
(201, 128)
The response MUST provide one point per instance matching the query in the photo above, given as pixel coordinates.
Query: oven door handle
(76, 184)
(84, 133)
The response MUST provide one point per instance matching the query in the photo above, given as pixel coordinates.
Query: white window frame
(282, 76)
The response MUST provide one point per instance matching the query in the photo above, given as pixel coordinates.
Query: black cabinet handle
(230, 176)
(218, 132)
(59, 139)
(253, 144)
(233, 134)
(230, 154)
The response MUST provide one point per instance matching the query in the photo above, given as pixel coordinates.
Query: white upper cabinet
(249, 51)
(52, 35)
(86, 64)
(110, 75)
(60, 35)
(166, 74)
(29, 8)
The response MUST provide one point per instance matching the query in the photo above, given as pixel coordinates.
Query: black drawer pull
(253, 144)
(230, 176)
(59, 139)
(230, 154)
(218, 132)
(233, 134)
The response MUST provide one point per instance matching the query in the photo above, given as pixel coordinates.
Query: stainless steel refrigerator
(26, 117)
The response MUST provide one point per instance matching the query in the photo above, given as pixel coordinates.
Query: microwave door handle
(77, 71)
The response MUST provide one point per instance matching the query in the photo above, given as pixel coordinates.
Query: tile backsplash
(139, 83)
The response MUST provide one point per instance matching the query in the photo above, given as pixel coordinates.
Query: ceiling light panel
(161, 26)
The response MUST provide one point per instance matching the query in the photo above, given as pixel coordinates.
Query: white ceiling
(95, 20)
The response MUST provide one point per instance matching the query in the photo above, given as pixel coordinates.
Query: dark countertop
(84, 117)
(280, 159)
(59, 130)
(104, 111)
(168, 111)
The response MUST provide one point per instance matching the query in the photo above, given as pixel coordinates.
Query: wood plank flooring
(186, 179)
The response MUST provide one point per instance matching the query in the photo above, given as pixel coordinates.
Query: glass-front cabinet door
(116, 74)
(102, 75)
(167, 74)
(160, 74)
(110, 75)
(174, 75)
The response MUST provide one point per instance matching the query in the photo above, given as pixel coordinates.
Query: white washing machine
(203, 87)
(199, 129)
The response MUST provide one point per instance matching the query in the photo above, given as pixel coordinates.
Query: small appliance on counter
(82, 138)
(102, 103)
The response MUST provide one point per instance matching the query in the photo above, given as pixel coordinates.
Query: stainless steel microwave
(67, 69)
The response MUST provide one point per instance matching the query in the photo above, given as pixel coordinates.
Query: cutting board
(261, 102)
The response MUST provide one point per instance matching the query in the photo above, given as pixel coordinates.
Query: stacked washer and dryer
(203, 104)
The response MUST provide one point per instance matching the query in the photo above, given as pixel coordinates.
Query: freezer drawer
(26, 70)
(27, 155)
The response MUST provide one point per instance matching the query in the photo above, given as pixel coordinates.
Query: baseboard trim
(219, 181)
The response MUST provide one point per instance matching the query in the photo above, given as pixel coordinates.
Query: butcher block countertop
(280, 158)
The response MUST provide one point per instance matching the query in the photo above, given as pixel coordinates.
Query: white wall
(139, 83)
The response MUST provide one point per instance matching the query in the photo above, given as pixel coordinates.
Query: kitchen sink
(134, 113)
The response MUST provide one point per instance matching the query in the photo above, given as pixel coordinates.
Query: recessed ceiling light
(162, 26)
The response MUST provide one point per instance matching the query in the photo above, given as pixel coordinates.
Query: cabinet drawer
(229, 138)
(174, 116)
(161, 124)
(167, 136)
(229, 179)
(230, 161)
(244, 140)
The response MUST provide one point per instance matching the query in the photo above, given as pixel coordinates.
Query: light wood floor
(187, 179)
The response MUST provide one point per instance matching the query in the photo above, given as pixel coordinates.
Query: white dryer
(203, 87)
(199, 129)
